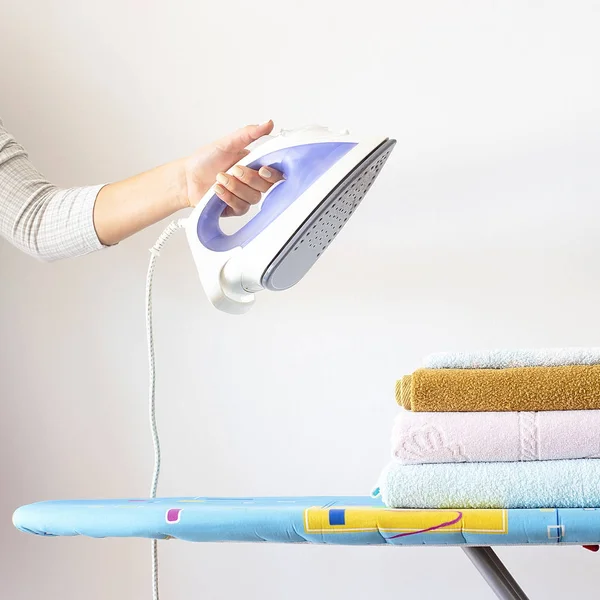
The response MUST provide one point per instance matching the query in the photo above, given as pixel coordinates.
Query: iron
(327, 174)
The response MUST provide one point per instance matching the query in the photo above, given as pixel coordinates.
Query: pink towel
(429, 437)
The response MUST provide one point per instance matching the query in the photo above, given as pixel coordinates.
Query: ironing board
(319, 520)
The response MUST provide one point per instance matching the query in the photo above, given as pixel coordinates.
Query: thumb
(238, 140)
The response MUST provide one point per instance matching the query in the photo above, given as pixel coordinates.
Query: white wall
(482, 232)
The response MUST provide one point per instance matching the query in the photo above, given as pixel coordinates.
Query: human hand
(239, 190)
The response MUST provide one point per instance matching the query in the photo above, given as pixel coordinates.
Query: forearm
(126, 207)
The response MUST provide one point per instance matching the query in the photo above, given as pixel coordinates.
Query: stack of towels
(500, 429)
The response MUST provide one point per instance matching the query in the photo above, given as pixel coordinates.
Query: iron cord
(154, 254)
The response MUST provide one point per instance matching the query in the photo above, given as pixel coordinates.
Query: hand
(126, 207)
(245, 186)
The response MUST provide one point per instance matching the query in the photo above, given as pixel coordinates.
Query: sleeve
(44, 221)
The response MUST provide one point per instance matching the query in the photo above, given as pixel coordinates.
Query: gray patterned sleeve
(39, 218)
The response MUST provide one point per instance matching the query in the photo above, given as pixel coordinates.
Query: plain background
(482, 231)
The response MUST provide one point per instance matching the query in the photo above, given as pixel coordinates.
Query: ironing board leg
(495, 573)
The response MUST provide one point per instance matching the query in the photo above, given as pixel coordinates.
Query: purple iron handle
(301, 166)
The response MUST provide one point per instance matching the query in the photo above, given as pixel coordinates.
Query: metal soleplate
(320, 228)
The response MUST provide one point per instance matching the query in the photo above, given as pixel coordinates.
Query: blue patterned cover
(317, 520)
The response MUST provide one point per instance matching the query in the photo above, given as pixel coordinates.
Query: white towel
(437, 437)
(506, 359)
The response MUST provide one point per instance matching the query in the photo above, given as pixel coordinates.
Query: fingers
(244, 187)
(235, 206)
(239, 188)
(270, 174)
(238, 140)
(260, 180)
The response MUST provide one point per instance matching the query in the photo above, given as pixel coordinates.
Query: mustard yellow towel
(483, 390)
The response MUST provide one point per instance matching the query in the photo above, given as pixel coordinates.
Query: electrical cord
(154, 254)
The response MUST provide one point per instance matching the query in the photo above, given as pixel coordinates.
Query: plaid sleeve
(36, 216)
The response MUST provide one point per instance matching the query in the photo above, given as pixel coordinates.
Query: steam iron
(327, 174)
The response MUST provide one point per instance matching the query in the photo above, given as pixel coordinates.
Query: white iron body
(232, 277)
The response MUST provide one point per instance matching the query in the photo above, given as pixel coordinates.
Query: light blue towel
(539, 484)
(506, 359)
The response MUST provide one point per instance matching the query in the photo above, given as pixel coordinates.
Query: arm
(50, 223)
(126, 207)
(35, 215)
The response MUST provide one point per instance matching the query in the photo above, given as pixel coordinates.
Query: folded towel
(435, 437)
(522, 389)
(506, 359)
(545, 484)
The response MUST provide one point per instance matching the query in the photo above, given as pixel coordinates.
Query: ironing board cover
(317, 520)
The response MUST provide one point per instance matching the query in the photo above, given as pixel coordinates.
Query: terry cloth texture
(575, 387)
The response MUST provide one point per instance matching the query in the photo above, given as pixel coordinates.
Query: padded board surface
(318, 520)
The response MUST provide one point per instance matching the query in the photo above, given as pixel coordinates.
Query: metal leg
(495, 573)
